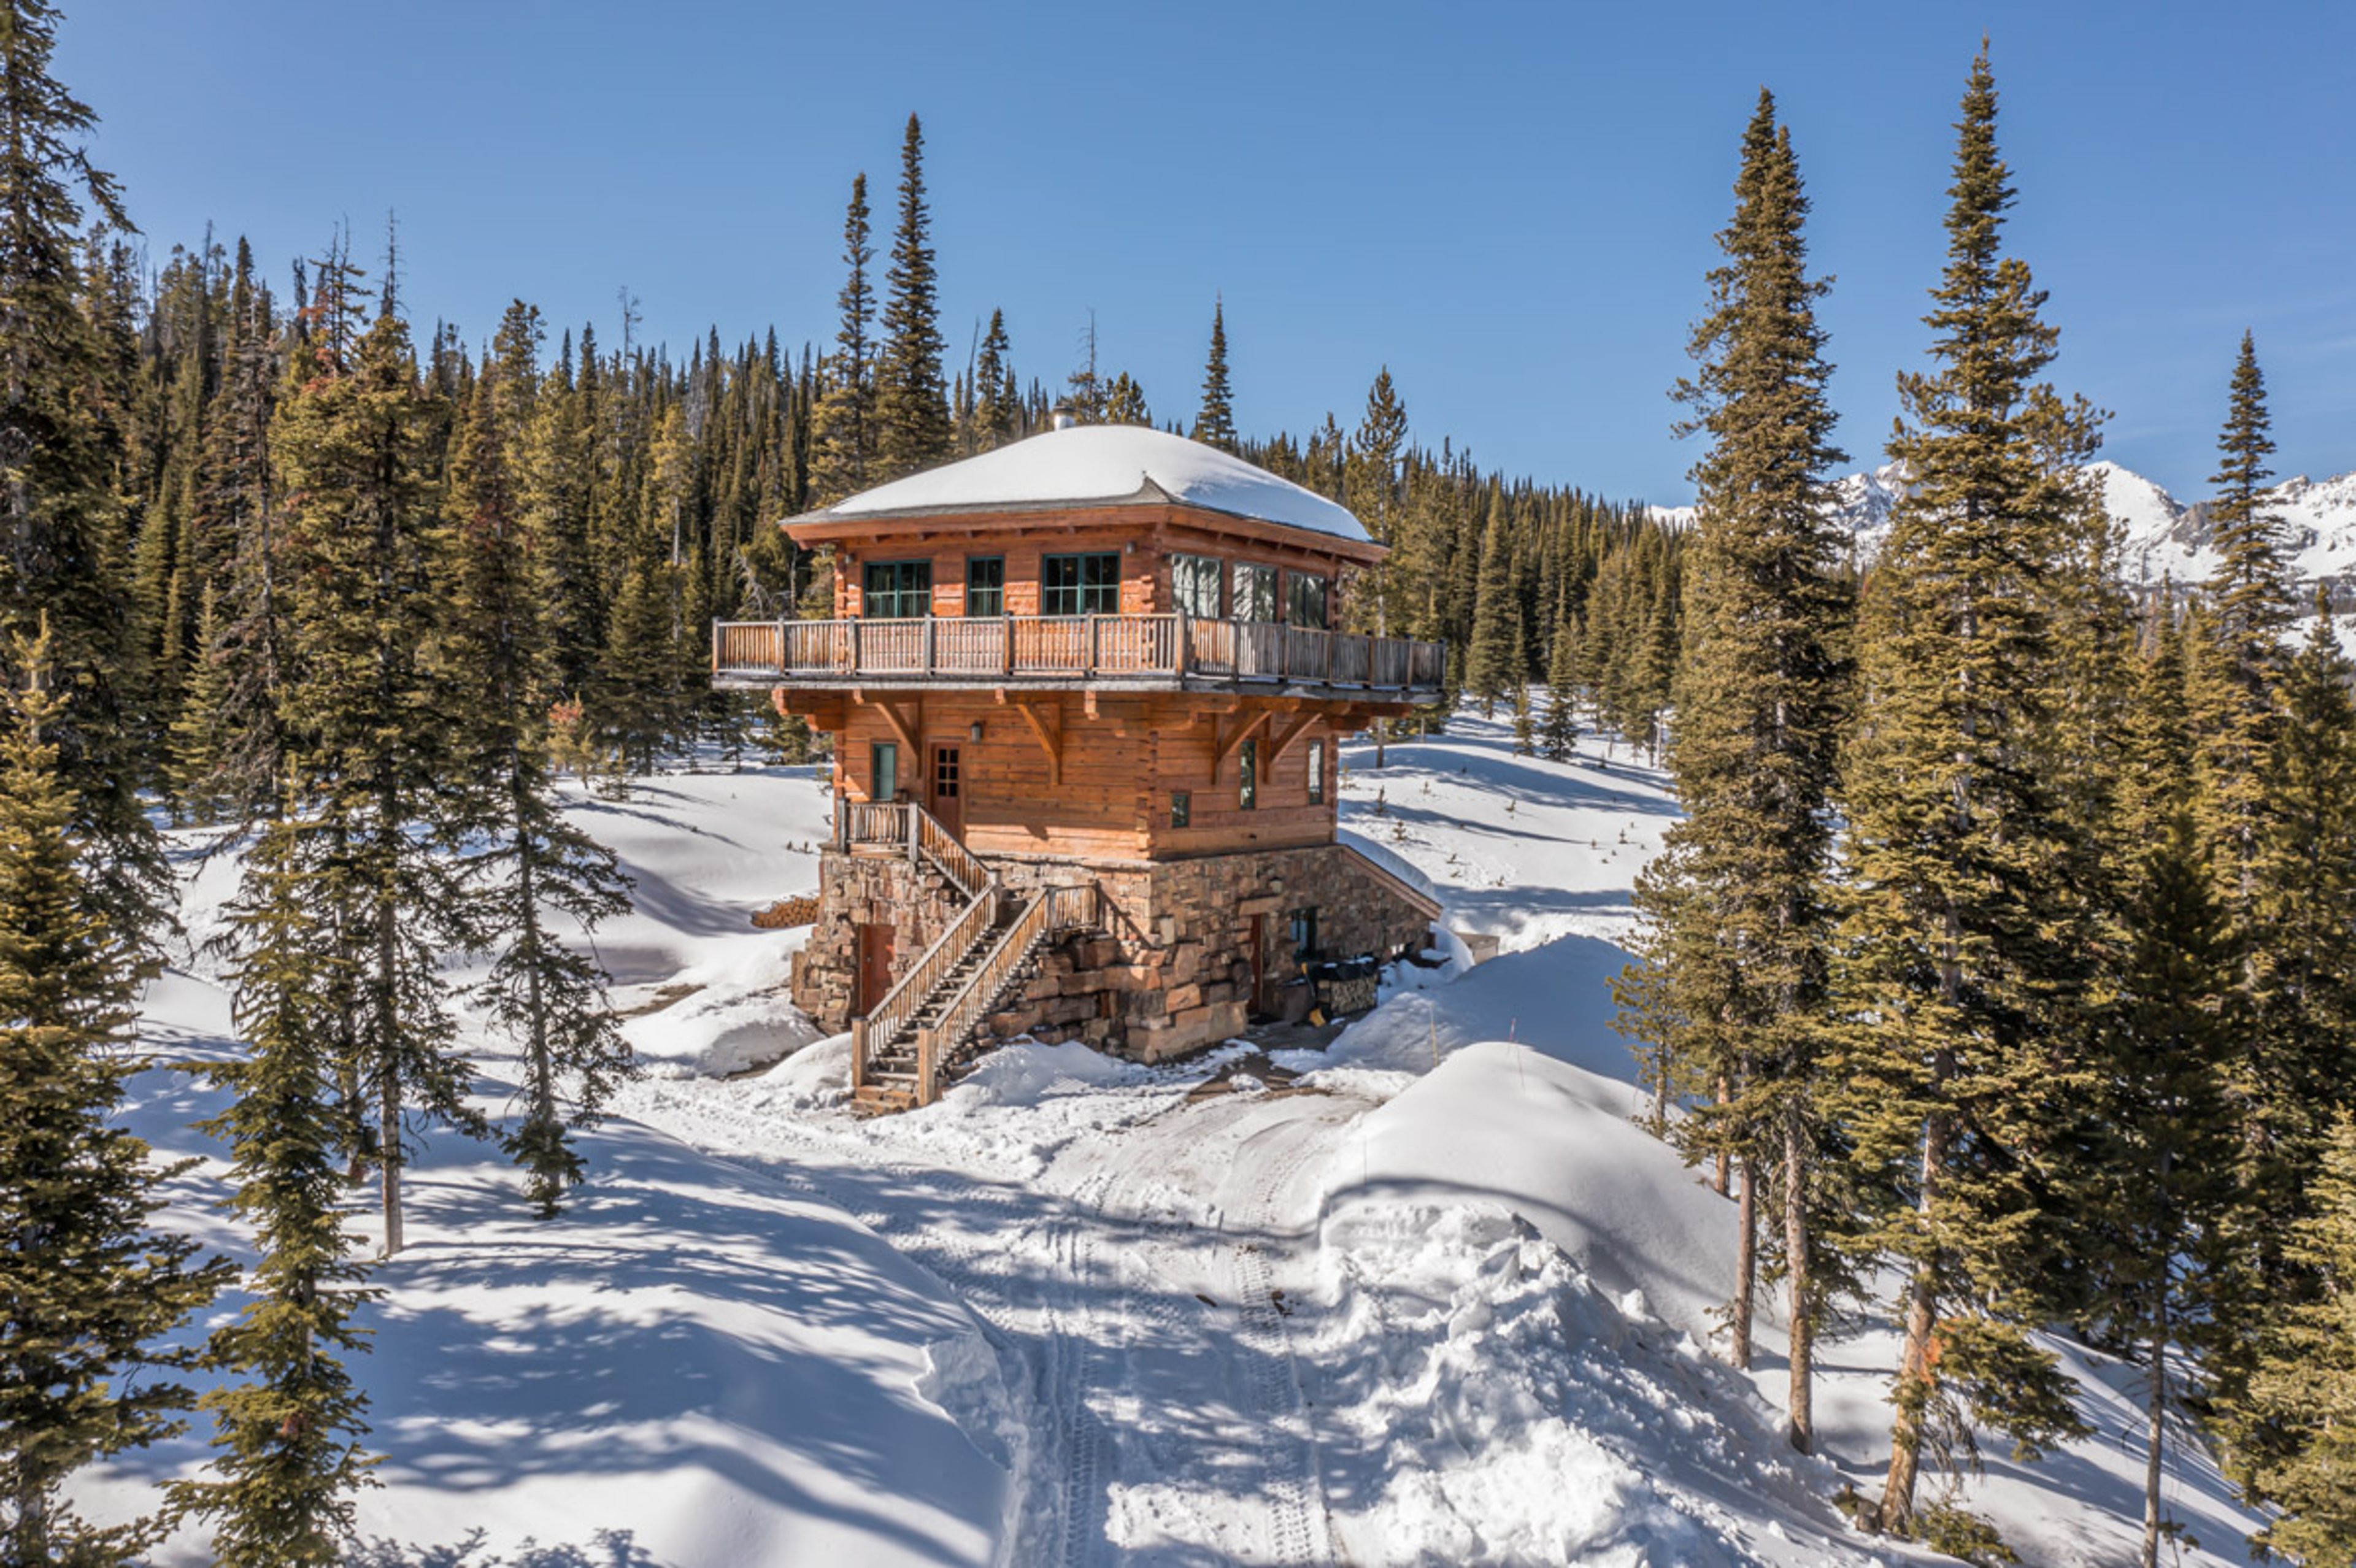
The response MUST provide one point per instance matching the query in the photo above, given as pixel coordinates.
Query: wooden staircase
(925, 1025)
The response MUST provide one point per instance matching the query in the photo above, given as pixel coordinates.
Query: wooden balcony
(1149, 653)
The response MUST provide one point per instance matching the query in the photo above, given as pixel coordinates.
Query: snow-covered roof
(1103, 465)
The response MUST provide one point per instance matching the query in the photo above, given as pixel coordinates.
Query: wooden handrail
(932, 966)
(1087, 647)
(1048, 913)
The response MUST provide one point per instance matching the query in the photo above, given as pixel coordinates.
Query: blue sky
(1510, 205)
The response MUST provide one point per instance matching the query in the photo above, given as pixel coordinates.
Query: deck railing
(1073, 647)
(903, 825)
(885, 1018)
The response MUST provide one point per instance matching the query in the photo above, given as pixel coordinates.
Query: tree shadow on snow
(606, 1549)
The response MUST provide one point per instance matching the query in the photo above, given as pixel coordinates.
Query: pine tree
(843, 433)
(1963, 956)
(534, 865)
(2304, 1386)
(365, 719)
(288, 1432)
(197, 740)
(1214, 420)
(1737, 923)
(1497, 615)
(1558, 735)
(2250, 607)
(86, 1286)
(1125, 403)
(912, 413)
(2291, 1078)
(238, 560)
(997, 401)
(2163, 1171)
(59, 509)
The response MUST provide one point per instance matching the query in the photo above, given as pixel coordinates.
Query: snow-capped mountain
(2161, 537)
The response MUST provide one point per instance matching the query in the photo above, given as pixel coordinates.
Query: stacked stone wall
(1169, 972)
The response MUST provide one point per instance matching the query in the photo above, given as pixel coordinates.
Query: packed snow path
(1142, 1287)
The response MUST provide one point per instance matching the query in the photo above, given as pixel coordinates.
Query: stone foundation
(1172, 970)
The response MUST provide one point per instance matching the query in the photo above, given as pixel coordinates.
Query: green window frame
(1182, 808)
(1086, 584)
(882, 770)
(1255, 593)
(1195, 582)
(1248, 777)
(1316, 772)
(1307, 598)
(985, 585)
(1304, 935)
(896, 589)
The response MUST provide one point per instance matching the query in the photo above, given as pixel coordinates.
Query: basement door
(875, 968)
(946, 783)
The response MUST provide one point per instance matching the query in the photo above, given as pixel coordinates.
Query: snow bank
(1106, 462)
(691, 1361)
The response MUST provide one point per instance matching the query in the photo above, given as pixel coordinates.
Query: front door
(875, 968)
(948, 791)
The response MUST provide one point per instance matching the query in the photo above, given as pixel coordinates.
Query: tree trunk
(1915, 1379)
(1746, 1269)
(389, 1154)
(1801, 1268)
(1722, 1178)
(2156, 1421)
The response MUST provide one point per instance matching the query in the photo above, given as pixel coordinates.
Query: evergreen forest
(2007, 948)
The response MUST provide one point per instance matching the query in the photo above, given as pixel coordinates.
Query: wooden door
(875, 968)
(947, 788)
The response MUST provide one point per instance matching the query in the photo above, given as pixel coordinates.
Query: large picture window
(1080, 584)
(897, 590)
(1255, 597)
(985, 585)
(1305, 597)
(1194, 585)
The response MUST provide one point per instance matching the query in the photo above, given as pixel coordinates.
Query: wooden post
(842, 825)
(854, 644)
(928, 645)
(927, 1052)
(858, 1054)
(1091, 667)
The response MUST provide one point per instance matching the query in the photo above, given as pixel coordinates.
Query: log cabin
(1086, 693)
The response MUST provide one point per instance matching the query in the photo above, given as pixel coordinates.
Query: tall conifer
(1214, 420)
(367, 719)
(1963, 966)
(86, 1287)
(912, 410)
(59, 509)
(1757, 697)
(534, 868)
(843, 433)
(288, 1430)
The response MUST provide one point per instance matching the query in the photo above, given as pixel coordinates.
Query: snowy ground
(1442, 1303)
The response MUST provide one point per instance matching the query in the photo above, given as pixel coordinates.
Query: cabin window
(882, 770)
(1255, 597)
(985, 585)
(898, 589)
(1194, 585)
(1247, 794)
(1182, 808)
(1304, 935)
(1305, 600)
(1080, 584)
(1316, 772)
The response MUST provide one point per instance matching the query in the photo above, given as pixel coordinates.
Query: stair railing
(1048, 912)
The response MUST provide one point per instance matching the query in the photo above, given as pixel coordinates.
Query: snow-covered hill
(2164, 539)
(1429, 1296)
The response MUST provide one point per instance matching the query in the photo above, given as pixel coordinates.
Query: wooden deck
(1166, 652)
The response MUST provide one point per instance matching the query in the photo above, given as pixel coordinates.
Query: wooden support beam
(1281, 740)
(1226, 742)
(1049, 734)
(901, 724)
